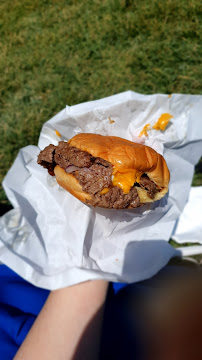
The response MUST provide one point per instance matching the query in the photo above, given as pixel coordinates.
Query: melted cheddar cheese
(125, 178)
(144, 130)
(57, 133)
(111, 121)
(162, 122)
(104, 191)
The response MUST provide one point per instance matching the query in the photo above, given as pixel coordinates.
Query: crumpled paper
(188, 228)
(53, 240)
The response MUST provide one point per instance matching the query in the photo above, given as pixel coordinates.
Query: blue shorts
(20, 303)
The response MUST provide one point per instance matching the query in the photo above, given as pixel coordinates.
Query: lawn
(60, 52)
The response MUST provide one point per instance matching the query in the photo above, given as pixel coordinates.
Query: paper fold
(58, 241)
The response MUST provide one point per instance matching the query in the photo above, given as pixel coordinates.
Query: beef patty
(93, 174)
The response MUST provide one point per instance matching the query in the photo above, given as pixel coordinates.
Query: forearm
(69, 325)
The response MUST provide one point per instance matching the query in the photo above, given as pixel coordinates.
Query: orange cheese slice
(125, 178)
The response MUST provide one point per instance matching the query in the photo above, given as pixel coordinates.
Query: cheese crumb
(111, 121)
(162, 122)
(57, 133)
(144, 130)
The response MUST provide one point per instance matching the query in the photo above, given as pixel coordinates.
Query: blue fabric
(20, 303)
(118, 286)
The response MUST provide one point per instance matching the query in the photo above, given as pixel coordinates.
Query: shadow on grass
(5, 208)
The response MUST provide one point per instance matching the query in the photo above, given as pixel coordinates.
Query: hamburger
(107, 171)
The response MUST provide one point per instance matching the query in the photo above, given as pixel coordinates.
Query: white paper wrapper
(53, 240)
(189, 226)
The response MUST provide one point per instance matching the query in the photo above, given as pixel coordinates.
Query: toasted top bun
(125, 154)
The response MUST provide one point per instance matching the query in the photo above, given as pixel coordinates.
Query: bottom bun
(144, 197)
(71, 184)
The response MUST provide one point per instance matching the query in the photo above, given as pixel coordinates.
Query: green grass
(198, 257)
(197, 179)
(60, 52)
